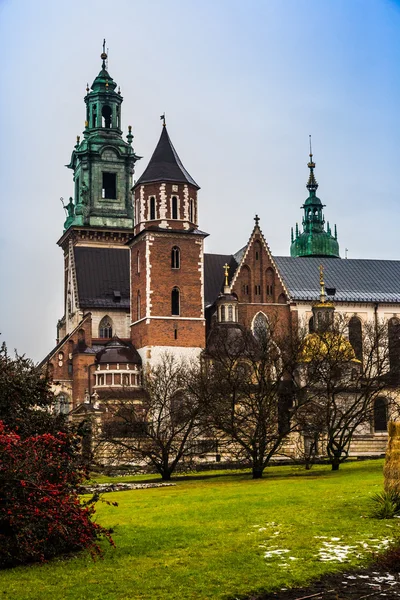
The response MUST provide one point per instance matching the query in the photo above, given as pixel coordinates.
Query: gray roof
(214, 275)
(355, 280)
(103, 277)
(165, 164)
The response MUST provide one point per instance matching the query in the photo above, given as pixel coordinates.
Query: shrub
(390, 558)
(386, 505)
(391, 469)
(41, 515)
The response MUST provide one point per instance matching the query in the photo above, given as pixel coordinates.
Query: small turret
(227, 303)
(314, 240)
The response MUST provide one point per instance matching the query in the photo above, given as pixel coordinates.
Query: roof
(103, 277)
(355, 280)
(214, 275)
(116, 351)
(165, 164)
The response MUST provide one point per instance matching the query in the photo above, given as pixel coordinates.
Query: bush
(390, 558)
(386, 505)
(41, 515)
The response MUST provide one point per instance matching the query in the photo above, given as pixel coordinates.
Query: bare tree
(341, 389)
(160, 428)
(249, 390)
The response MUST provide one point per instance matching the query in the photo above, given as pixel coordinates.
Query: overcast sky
(242, 84)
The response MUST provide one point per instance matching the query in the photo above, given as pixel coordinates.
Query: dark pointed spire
(103, 56)
(165, 164)
(312, 184)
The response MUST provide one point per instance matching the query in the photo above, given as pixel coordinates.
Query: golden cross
(226, 267)
(322, 283)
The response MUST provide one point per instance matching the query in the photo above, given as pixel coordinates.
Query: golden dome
(331, 346)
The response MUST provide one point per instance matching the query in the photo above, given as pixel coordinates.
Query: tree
(340, 389)
(26, 397)
(161, 429)
(249, 389)
(41, 514)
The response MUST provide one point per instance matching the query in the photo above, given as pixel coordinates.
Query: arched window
(222, 314)
(230, 312)
(106, 114)
(105, 327)
(260, 327)
(394, 346)
(152, 208)
(175, 302)
(174, 207)
(311, 325)
(380, 415)
(175, 258)
(246, 287)
(257, 250)
(81, 335)
(138, 261)
(191, 211)
(61, 405)
(270, 282)
(281, 299)
(355, 336)
(94, 115)
(138, 305)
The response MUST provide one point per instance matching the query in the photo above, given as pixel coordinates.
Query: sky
(243, 84)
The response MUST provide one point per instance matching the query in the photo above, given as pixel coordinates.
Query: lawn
(216, 536)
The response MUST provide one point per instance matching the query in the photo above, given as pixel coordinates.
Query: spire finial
(226, 272)
(322, 284)
(87, 88)
(312, 184)
(162, 117)
(257, 220)
(103, 55)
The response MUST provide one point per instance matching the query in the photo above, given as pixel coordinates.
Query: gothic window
(109, 189)
(61, 405)
(175, 302)
(355, 336)
(380, 415)
(257, 290)
(81, 335)
(175, 258)
(311, 325)
(106, 114)
(257, 250)
(222, 314)
(270, 281)
(260, 327)
(105, 327)
(138, 305)
(394, 346)
(174, 207)
(152, 208)
(191, 211)
(246, 282)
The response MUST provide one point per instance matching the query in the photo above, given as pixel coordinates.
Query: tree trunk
(257, 472)
(166, 475)
(335, 465)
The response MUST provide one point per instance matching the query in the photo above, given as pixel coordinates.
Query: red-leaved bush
(41, 515)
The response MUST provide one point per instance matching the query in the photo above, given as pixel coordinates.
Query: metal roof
(100, 272)
(355, 280)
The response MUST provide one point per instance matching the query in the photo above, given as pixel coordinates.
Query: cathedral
(137, 282)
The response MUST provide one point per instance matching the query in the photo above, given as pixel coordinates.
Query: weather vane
(162, 117)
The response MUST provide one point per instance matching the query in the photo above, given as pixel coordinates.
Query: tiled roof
(165, 164)
(355, 280)
(100, 273)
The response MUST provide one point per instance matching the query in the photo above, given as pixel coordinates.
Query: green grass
(206, 537)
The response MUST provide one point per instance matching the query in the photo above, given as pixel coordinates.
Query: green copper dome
(314, 240)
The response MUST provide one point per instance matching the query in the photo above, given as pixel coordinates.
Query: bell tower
(102, 162)
(167, 259)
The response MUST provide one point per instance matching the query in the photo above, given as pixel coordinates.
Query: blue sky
(243, 84)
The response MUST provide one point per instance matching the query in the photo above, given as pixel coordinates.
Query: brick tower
(167, 281)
